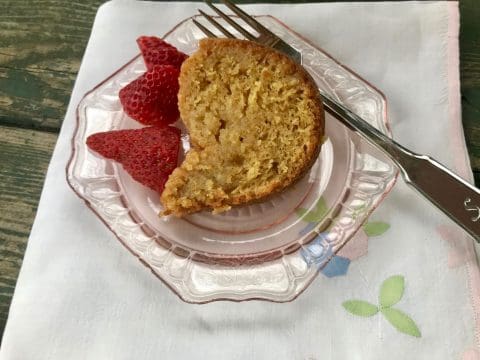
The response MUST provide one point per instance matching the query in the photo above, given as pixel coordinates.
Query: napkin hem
(462, 160)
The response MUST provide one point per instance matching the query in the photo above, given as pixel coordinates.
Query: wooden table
(41, 46)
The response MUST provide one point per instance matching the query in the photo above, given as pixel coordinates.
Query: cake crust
(256, 125)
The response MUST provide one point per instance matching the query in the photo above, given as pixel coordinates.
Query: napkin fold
(407, 286)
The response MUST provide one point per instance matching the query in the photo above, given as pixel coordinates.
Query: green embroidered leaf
(321, 208)
(375, 228)
(314, 215)
(360, 308)
(401, 321)
(391, 291)
(305, 215)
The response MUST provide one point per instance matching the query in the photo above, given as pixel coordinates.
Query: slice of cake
(255, 121)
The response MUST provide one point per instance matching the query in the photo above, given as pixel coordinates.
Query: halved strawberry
(152, 98)
(149, 154)
(156, 51)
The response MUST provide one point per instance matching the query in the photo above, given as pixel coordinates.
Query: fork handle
(454, 196)
(450, 193)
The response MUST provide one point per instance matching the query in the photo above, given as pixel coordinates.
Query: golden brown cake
(255, 121)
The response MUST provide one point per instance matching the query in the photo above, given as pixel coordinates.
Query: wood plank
(24, 155)
(41, 46)
(470, 45)
(470, 79)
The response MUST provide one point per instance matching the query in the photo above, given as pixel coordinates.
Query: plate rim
(244, 257)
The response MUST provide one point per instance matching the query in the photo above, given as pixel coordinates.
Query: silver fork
(446, 190)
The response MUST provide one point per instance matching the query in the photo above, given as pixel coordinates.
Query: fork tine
(217, 25)
(204, 29)
(247, 18)
(231, 22)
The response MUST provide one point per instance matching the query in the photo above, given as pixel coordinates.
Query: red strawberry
(149, 154)
(152, 98)
(148, 42)
(156, 51)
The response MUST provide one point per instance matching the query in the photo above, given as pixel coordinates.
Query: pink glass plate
(271, 250)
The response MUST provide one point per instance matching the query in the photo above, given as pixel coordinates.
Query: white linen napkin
(82, 295)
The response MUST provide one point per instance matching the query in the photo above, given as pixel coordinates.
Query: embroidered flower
(320, 249)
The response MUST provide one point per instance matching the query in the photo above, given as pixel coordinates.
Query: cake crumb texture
(255, 121)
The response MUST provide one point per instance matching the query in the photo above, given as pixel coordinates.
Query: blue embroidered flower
(318, 251)
(337, 266)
